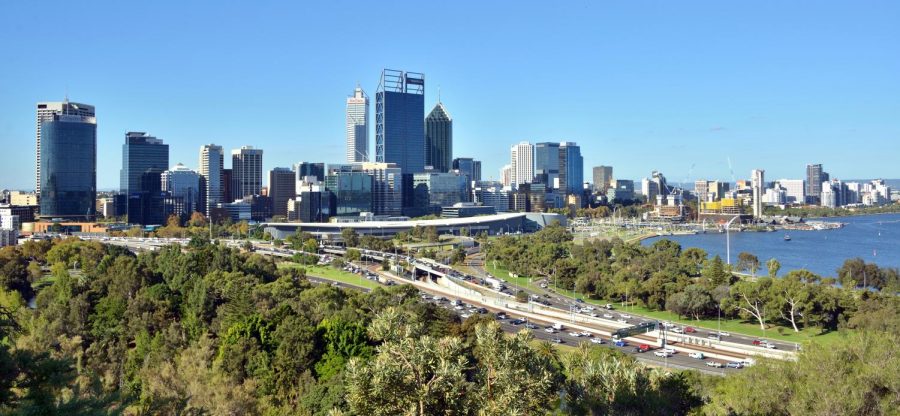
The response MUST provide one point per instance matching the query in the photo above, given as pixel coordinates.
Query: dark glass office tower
(814, 178)
(68, 171)
(352, 192)
(140, 154)
(571, 168)
(310, 169)
(399, 110)
(439, 139)
(546, 164)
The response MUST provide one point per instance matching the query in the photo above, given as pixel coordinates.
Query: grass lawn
(331, 273)
(736, 326)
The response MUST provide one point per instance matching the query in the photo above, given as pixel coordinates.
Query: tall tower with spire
(358, 126)
(439, 139)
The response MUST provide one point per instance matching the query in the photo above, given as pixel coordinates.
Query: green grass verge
(331, 273)
(737, 326)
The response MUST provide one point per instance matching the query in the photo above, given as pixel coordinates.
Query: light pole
(728, 239)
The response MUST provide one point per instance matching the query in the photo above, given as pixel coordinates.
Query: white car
(669, 350)
(771, 346)
(677, 330)
(607, 316)
(662, 353)
(697, 355)
(724, 334)
(586, 334)
(574, 334)
(621, 321)
(550, 331)
(625, 316)
(715, 364)
(596, 340)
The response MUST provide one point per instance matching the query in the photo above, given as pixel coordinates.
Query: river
(874, 238)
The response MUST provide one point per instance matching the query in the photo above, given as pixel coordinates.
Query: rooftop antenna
(730, 168)
(439, 94)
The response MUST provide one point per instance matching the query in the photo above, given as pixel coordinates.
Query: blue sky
(676, 86)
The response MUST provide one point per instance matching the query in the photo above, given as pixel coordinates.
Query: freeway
(565, 302)
(678, 360)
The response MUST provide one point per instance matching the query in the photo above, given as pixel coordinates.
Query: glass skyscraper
(571, 168)
(141, 153)
(546, 164)
(399, 130)
(358, 127)
(439, 139)
(68, 167)
(352, 192)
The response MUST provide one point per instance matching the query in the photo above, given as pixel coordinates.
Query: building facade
(758, 187)
(352, 192)
(282, 188)
(439, 139)
(439, 189)
(45, 112)
(68, 167)
(521, 164)
(183, 183)
(603, 178)
(246, 172)
(399, 110)
(212, 160)
(357, 127)
(571, 169)
(546, 164)
(814, 178)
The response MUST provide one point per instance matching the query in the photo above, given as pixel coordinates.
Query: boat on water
(787, 237)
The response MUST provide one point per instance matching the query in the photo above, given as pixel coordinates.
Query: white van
(558, 327)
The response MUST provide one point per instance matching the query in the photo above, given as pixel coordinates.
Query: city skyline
(700, 98)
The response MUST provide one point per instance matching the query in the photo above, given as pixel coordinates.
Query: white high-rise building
(246, 172)
(9, 230)
(758, 186)
(522, 165)
(45, 112)
(794, 190)
(183, 182)
(212, 161)
(358, 127)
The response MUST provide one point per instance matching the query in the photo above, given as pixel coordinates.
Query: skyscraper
(45, 112)
(758, 186)
(603, 176)
(282, 188)
(469, 167)
(141, 153)
(358, 126)
(814, 178)
(246, 171)
(571, 168)
(68, 166)
(522, 164)
(546, 164)
(399, 110)
(506, 175)
(183, 184)
(439, 139)
(304, 169)
(212, 162)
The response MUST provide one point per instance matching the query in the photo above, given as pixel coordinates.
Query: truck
(558, 326)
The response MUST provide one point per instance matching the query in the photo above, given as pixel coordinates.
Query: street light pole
(728, 239)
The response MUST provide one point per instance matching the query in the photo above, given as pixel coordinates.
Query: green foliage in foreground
(210, 330)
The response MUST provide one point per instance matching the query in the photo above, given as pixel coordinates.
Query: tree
(197, 220)
(694, 301)
(350, 237)
(522, 296)
(773, 266)
(792, 296)
(750, 299)
(747, 261)
(352, 255)
(411, 373)
(714, 273)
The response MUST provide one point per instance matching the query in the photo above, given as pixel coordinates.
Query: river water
(874, 238)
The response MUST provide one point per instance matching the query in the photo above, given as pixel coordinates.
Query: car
(714, 337)
(437, 297)
(531, 326)
(579, 300)
(724, 334)
(593, 315)
(550, 330)
(607, 316)
(608, 306)
(689, 329)
(735, 365)
(644, 347)
(586, 334)
(574, 334)
(558, 340)
(517, 322)
(621, 321)
(597, 340)
(715, 364)
(624, 316)
(670, 350)
(501, 316)
(771, 346)
(465, 315)
(621, 343)
(661, 354)
(697, 355)
(459, 307)
(677, 330)
(757, 342)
